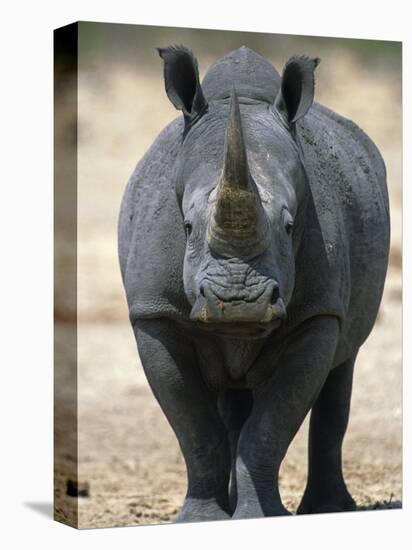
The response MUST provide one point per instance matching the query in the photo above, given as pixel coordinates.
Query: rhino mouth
(255, 314)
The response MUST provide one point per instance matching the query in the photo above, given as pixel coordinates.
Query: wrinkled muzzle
(212, 307)
(238, 225)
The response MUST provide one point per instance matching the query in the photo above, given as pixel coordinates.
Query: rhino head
(242, 192)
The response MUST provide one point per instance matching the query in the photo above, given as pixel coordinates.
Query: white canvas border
(27, 233)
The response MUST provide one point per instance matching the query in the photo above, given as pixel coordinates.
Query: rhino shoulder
(347, 178)
(151, 238)
(367, 150)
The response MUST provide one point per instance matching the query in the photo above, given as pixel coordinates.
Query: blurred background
(127, 454)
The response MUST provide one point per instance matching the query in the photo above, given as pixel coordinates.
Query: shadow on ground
(385, 505)
(43, 508)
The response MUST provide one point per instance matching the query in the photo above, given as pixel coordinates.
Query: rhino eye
(288, 221)
(188, 229)
(289, 227)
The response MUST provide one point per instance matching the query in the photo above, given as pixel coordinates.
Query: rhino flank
(253, 244)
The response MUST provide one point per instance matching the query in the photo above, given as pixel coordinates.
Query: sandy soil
(127, 452)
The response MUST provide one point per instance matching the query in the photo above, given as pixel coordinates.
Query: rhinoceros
(253, 245)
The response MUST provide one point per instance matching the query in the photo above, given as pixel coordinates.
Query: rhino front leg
(170, 365)
(234, 407)
(326, 489)
(279, 408)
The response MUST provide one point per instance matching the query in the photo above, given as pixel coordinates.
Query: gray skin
(253, 244)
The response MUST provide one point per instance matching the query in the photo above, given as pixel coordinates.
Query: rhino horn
(235, 169)
(238, 223)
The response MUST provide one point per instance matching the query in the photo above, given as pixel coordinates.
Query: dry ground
(127, 451)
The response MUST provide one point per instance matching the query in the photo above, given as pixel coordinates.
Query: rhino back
(151, 234)
(345, 254)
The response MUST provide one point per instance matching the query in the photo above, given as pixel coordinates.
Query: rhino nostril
(202, 291)
(275, 295)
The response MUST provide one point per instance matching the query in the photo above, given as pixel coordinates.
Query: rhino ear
(297, 90)
(182, 84)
